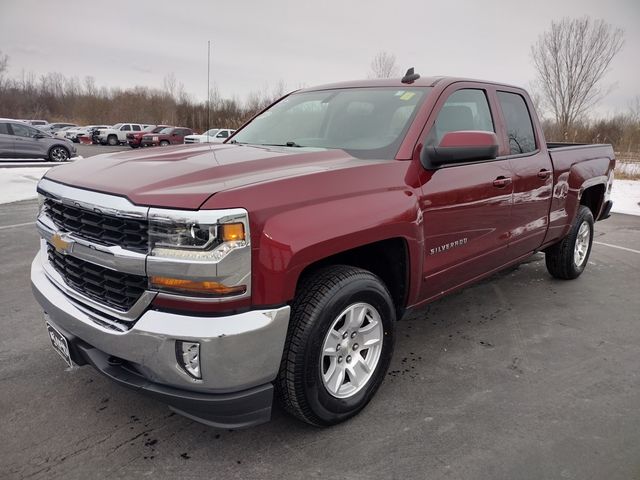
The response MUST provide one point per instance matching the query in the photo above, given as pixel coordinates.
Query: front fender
(292, 240)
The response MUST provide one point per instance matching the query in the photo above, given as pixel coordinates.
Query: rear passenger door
(465, 211)
(7, 149)
(532, 173)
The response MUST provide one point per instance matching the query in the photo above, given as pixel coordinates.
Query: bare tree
(4, 66)
(384, 65)
(571, 59)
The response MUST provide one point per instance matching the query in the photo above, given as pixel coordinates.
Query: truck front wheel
(338, 347)
(113, 140)
(568, 258)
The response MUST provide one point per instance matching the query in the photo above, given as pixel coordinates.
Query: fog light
(188, 356)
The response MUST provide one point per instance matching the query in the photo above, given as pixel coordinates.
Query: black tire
(112, 140)
(320, 299)
(58, 153)
(133, 146)
(560, 258)
(164, 143)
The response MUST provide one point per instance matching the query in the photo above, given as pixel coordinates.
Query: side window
(518, 123)
(4, 129)
(466, 109)
(126, 128)
(136, 128)
(22, 130)
(223, 134)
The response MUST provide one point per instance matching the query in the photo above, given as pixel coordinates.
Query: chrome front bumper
(237, 351)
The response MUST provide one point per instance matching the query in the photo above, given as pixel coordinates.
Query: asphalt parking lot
(519, 377)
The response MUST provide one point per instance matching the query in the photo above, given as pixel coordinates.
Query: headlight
(202, 235)
(204, 253)
(40, 203)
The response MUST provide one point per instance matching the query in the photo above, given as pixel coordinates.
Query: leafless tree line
(621, 130)
(55, 97)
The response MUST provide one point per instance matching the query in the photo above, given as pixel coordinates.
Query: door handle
(544, 173)
(502, 182)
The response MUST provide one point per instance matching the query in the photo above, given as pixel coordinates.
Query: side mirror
(460, 147)
(39, 135)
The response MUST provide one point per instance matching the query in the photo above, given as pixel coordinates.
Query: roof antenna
(410, 76)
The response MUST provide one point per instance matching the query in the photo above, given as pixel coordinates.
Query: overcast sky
(255, 44)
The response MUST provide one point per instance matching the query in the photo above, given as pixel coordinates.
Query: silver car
(19, 140)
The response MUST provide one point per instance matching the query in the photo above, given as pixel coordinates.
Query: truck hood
(186, 176)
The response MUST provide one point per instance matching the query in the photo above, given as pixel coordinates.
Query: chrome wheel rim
(582, 244)
(59, 154)
(351, 350)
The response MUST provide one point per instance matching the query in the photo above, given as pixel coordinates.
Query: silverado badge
(62, 244)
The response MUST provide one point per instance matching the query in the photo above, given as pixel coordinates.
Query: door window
(22, 130)
(126, 128)
(518, 123)
(223, 134)
(136, 128)
(4, 129)
(466, 109)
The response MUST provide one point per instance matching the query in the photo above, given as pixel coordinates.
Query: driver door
(466, 207)
(25, 142)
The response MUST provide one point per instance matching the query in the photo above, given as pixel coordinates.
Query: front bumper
(240, 354)
(231, 410)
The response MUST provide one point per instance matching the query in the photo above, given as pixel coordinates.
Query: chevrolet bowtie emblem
(61, 244)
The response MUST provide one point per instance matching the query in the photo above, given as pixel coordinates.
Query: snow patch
(19, 183)
(626, 197)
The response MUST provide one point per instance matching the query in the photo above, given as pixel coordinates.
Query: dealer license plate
(59, 343)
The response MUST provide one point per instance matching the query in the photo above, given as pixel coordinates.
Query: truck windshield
(365, 122)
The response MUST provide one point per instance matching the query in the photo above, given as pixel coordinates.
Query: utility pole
(208, 85)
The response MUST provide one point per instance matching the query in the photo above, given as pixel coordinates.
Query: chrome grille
(129, 233)
(109, 287)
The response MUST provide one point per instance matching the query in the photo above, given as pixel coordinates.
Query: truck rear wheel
(568, 258)
(338, 346)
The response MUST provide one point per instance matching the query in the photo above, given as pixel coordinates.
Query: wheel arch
(388, 259)
(592, 197)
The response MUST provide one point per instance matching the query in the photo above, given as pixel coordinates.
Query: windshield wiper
(287, 144)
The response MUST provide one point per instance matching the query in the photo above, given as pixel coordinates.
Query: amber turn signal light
(190, 286)
(231, 232)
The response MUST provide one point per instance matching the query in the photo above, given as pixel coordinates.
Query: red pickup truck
(165, 137)
(213, 277)
(134, 139)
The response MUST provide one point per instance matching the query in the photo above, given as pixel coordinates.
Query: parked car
(74, 132)
(90, 137)
(62, 132)
(166, 136)
(283, 265)
(36, 123)
(54, 127)
(135, 139)
(19, 140)
(215, 135)
(118, 133)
